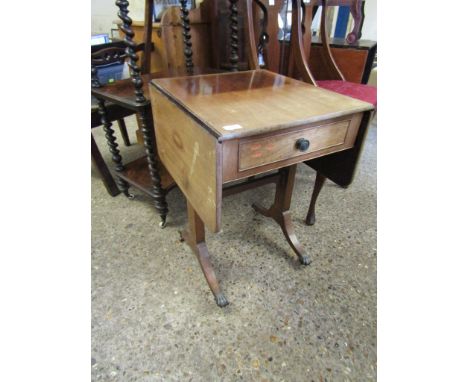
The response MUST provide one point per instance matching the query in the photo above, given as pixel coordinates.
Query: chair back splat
(265, 13)
(251, 45)
(333, 69)
(299, 50)
(287, 51)
(234, 37)
(282, 50)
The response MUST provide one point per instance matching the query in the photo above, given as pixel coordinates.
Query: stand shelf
(137, 174)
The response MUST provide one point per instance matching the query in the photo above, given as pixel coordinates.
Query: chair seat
(361, 92)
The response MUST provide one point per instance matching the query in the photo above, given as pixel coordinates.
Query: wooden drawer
(259, 152)
(254, 155)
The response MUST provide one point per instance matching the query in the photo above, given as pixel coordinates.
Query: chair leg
(159, 194)
(104, 172)
(113, 148)
(319, 181)
(123, 131)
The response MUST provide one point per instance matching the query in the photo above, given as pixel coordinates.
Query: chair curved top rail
(300, 37)
(334, 70)
(272, 47)
(356, 12)
(275, 55)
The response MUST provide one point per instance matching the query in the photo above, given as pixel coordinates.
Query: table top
(240, 104)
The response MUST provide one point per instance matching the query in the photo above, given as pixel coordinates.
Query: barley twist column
(184, 16)
(126, 28)
(159, 194)
(234, 57)
(113, 148)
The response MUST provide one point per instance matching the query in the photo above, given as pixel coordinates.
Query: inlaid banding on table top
(257, 101)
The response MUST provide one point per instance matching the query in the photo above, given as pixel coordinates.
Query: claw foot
(305, 260)
(310, 220)
(221, 301)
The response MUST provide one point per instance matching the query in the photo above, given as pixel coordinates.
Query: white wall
(369, 29)
(103, 13)
(137, 8)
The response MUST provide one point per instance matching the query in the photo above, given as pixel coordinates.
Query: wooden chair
(339, 167)
(294, 54)
(147, 173)
(353, 56)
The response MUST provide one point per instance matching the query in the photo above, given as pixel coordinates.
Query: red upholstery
(361, 92)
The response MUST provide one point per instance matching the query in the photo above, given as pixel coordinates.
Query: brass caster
(305, 260)
(221, 301)
(310, 220)
(128, 195)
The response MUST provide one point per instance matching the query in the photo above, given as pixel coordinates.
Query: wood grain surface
(235, 105)
(233, 170)
(192, 157)
(261, 151)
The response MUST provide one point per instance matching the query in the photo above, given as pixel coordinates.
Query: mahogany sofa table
(212, 130)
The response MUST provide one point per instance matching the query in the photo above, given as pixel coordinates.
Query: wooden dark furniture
(354, 57)
(338, 167)
(142, 173)
(101, 55)
(212, 130)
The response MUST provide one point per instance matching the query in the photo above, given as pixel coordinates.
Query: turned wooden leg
(159, 194)
(194, 236)
(104, 172)
(113, 148)
(234, 37)
(319, 181)
(123, 131)
(279, 211)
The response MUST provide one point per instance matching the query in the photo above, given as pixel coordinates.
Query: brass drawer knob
(302, 144)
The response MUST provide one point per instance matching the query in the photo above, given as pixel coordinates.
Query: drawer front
(262, 151)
